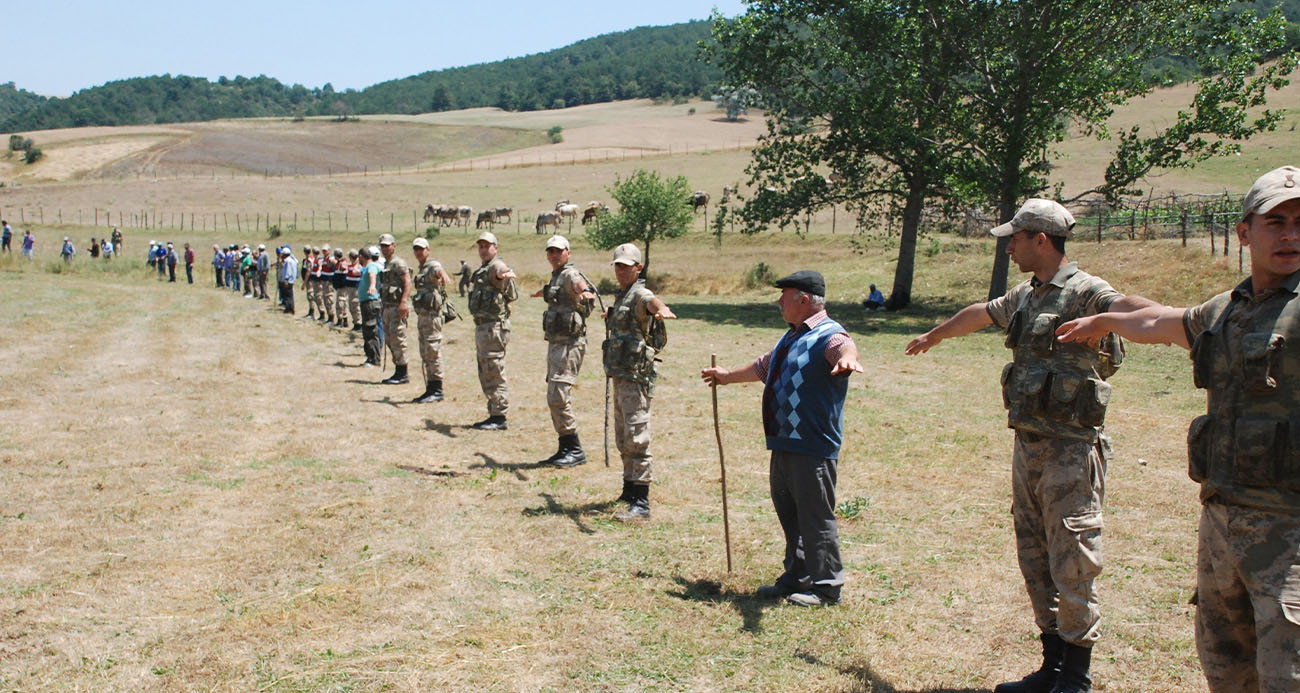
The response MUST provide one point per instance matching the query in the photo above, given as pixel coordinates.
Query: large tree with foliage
(862, 89)
(1037, 71)
(650, 208)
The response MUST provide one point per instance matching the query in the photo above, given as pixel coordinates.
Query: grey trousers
(803, 494)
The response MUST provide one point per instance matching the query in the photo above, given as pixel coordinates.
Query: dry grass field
(204, 494)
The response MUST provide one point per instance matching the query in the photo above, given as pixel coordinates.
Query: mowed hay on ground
(203, 493)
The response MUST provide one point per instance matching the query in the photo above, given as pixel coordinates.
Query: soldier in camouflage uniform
(636, 335)
(492, 289)
(1056, 396)
(569, 301)
(394, 295)
(1245, 452)
(430, 294)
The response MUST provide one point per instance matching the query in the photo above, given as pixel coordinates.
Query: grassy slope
(179, 518)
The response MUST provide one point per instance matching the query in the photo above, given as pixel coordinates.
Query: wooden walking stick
(722, 462)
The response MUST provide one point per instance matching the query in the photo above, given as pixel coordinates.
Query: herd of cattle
(459, 215)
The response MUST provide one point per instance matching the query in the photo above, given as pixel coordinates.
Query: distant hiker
(6, 238)
(68, 251)
(189, 264)
(29, 245)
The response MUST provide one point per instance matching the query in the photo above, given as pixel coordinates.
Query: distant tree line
(648, 62)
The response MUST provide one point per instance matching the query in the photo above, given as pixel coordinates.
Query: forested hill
(647, 62)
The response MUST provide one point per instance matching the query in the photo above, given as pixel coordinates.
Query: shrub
(852, 507)
(33, 155)
(691, 112)
(759, 276)
(554, 134)
(430, 232)
(15, 142)
(273, 231)
(933, 248)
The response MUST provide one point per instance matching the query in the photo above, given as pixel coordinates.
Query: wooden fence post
(1182, 225)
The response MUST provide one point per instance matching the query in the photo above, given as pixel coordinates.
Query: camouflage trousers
(394, 333)
(632, 428)
(327, 299)
(562, 364)
(490, 340)
(348, 304)
(429, 323)
(1058, 486)
(309, 293)
(1248, 599)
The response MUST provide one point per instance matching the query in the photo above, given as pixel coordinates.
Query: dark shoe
(496, 422)
(398, 377)
(811, 599)
(370, 364)
(777, 591)
(1045, 678)
(559, 452)
(626, 496)
(1074, 670)
(638, 509)
(571, 454)
(432, 393)
(356, 328)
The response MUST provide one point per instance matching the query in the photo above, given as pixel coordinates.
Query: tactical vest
(1246, 449)
(429, 294)
(565, 319)
(629, 350)
(392, 281)
(486, 302)
(1053, 388)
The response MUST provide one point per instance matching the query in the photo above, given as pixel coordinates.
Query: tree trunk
(901, 295)
(1001, 261)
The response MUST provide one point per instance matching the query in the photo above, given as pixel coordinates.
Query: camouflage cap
(557, 241)
(1270, 190)
(627, 254)
(1043, 216)
(387, 239)
(420, 243)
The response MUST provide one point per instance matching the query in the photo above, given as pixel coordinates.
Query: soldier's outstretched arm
(967, 320)
(660, 309)
(1151, 325)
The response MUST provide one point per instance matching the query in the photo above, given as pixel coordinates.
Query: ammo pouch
(1038, 334)
(1031, 392)
(1257, 451)
(565, 323)
(628, 358)
(427, 300)
(449, 311)
(485, 303)
(392, 294)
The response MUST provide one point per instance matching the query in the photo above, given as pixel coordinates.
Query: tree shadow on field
(445, 429)
(749, 606)
(515, 468)
(856, 319)
(575, 513)
(867, 680)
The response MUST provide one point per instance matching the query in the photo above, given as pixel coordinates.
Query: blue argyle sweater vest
(803, 404)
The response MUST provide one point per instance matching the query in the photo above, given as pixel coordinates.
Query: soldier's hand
(537, 293)
(1080, 330)
(665, 313)
(922, 344)
(403, 310)
(508, 274)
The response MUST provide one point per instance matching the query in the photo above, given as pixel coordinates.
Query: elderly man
(1244, 450)
(493, 289)
(395, 295)
(806, 378)
(288, 275)
(569, 299)
(1056, 398)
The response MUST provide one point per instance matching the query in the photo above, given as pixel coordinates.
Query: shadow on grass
(445, 429)
(909, 321)
(576, 513)
(868, 681)
(515, 468)
(386, 400)
(746, 604)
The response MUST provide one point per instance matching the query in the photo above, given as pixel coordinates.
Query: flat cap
(807, 281)
(1042, 216)
(1270, 190)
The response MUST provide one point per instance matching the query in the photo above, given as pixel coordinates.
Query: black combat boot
(398, 377)
(432, 393)
(638, 508)
(1045, 678)
(559, 452)
(626, 496)
(495, 422)
(1074, 670)
(571, 454)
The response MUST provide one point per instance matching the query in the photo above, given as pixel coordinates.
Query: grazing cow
(464, 212)
(699, 198)
(593, 210)
(429, 213)
(545, 219)
(568, 211)
(503, 214)
(487, 216)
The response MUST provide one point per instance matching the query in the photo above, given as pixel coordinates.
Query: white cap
(627, 254)
(261, 246)
(489, 237)
(420, 243)
(557, 241)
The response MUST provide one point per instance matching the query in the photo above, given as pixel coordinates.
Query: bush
(33, 155)
(273, 231)
(760, 276)
(554, 134)
(691, 112)
(430, 232)
(15, 142)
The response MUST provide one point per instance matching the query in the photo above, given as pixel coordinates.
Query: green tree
(442, 100)
(1042, 69)
(861, 89)
(651, 208)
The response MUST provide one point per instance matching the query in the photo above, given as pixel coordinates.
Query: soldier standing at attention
(326, 287)
(564, 324)
(636, 335)
(308, 288)
(1245, 451)
(806, 379)
(340, 285)
(395, 294)
(493, 289)
(1057, 396)
(430, 293)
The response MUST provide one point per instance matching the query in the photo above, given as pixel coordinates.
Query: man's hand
(714, 376)
(846, 365)
(403, 310)
(922, 344)
(537, 293)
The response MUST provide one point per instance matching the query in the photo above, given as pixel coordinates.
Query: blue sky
(56, 47)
